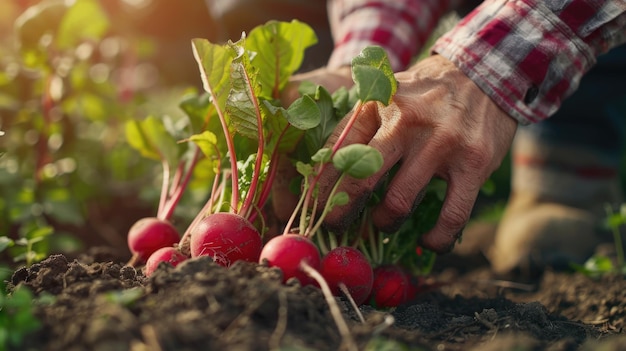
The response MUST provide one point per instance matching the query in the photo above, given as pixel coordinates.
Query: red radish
(165, 254)
(390, 287)
(286, 251)
(226, 238)
(349, 266)
(148, 235)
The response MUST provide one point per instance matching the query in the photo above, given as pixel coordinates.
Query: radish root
(344, 290)
(347, 340)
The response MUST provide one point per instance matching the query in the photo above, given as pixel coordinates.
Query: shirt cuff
(401, 27)
(520, 54)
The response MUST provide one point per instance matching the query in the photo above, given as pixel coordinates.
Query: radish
(389, 288)
(287, 251)
(226, 238)
(165, 254)
(148, 235)
(348, 266)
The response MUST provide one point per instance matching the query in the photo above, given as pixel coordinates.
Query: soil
(101, 304)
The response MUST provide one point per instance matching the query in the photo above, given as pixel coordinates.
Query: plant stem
(217, 184)
(619, 249)
(231, 151)
(176, 180)
(346, 292)
(327, 206)
(165, 184)
(266, 188)
(309, 194)
(180, 188)
(342, 326)
(344, 133)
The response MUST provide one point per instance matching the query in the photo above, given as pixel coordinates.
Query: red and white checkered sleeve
(401, 27)
(529, 55)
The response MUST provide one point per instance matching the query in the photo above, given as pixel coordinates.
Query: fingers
(455, 213)
(406, 189)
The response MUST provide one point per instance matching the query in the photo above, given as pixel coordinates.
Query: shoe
(554, 215)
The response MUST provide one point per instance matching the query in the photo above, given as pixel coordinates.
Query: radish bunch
(238, 134)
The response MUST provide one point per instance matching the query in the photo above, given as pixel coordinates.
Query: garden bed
(100, 304)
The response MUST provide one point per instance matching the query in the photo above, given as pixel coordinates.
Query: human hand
(330, 78)
(440, 124)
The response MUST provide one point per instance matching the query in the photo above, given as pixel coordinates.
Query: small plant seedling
(598, 265)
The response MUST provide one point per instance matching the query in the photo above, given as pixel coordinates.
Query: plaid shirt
(527, 55)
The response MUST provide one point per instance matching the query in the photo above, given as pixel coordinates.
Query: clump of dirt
(98, 303)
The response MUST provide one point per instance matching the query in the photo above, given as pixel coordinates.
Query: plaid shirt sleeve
(401, 27)
(529, 55)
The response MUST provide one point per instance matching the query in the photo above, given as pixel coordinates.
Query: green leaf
(214, 62)
(197, 109)
(39, 233)
(241, 104)
(277, 125)
(595, 266)
(84, 20)
(316, 138)
(322, 155)
(304, 113)
(358, 160)
(279, 50)
(340, 199)
(125, 297)
(373, 76)
(152, 140)
(304, 168)
(5, 242)
(207, 142)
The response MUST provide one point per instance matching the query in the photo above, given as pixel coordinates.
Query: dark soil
(99, 304)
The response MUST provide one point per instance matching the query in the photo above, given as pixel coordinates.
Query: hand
(440, 124)
(330, 78)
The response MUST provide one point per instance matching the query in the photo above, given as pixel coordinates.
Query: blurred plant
(599, 265)
(68, 82)
(16, 315)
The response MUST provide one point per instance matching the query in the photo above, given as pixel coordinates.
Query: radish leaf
(315, 138)
(304, 113)
(242, 105)
(339, 199)
(284, 54)
(206, 141)
(152, 140)
(322, 155)
(277, 124)
(214, 63)
(373, 76)
(358, 160)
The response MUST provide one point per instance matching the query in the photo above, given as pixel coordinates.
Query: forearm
(528, 56)
(401, 27)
